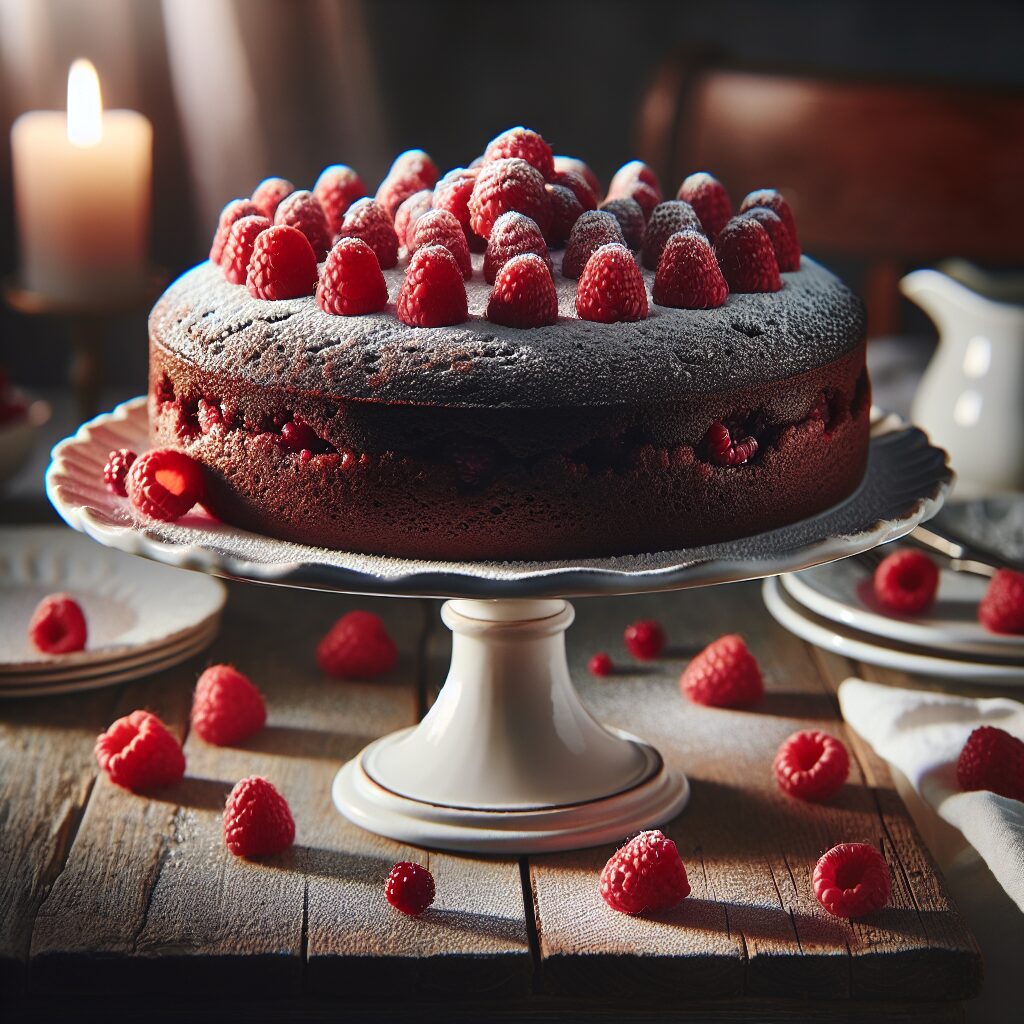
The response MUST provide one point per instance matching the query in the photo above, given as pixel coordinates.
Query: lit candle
(82, 195)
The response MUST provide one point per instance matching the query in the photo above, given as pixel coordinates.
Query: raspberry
(811, 765)
(282, 265)
(645, 639)
(572, 163)
(58, 625)
(452, 193)
(628, 176)
(688, 274)
(787, 252)
(165, 484)
(235, 210)
(415, 165)
(770, 199)
(593, 229)
(115, 471)
(1002, 608)
(268, 195)
(563, 211)
(647, 198)
(138, 752)
(852, 880)
(645, 874)
(512, 235)
(707, 195)
(906, 582)
(576, 184)
(409, 888)
(351, 282)
(523, 144)
(724, 451)
(337, 188)
(234, 261)
(302, 210)
(297, 436)
(226, 707)
(747, 257)
(631, 220)
(439, 227)
(506, 185)
(433, 293)
(357, 646)
(257, 819)
(395, 191)
(992, 759)
(723, 675)
(524, 294)
(611, 289)
(666, 219)
(600, 665)
(409, 212)
(368, 221)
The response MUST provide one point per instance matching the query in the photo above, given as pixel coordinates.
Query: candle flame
(85, 107)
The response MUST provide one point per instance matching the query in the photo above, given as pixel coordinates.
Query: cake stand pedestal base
(508, 760)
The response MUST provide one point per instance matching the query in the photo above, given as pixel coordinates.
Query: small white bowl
(19, 435)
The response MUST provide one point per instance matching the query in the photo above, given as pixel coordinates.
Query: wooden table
(113, 902)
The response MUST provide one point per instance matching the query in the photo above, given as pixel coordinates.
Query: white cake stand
(508, 760)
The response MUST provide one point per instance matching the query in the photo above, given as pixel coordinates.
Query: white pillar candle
(82, 195)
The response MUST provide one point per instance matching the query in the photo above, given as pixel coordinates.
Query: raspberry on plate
(409, 888)
(512, 235)
(257, 819)
(770, 199)
(165, 484)
(787, 251)
(433, 293)
(992, 759)
(724, 675)
(268, 195)
(592, 230)
(351, 283)
(115, 471)
(440, 227)
(138, 752)
(58, 625)
(409, 212)
(906, 582)
(368, 221)
(688, 275)
(707, 195)
(645, 639)
(852, 880)
(524, 144)
(747, 257)
(235, 210)
(234, 261)
(505, 185)
(631, 220)
(282, 266)
(524, 294)
(357, 646)
(564, 210)
(611, 288)
(666, 220)
(600, 664)
(1002, 608)
(645, 874)
(811, 765)
(337, 188)
(226, 707)
(302, 210)
(725, 450)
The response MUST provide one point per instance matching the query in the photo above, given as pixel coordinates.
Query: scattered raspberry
(631, 220)
(409, 888)
(357, 647)
(235, 210)
(165, 484)
(368, 221)
(811, 765)
(523, 144)
(600, 665)
(512, 235)
(524, 294)
(787, 252)
(226, 707)
(723, 675)
(269, 193)
(302, 210)
(576, 184)
(563, 211)
(707, 195)
(645, 639)
(611, 288)
(1002, 608)
(415, 165)
(115, 471)
(282, 265)
(351, 283)
(452, 193)
(410, 211)
(138, 752)
(433, 293)
(593, 229)
(234, 261)
(439, 227)
(337, 188)
(506, 185)
(724, 450)
(852, 880)
(645, 874)
(631, 174)
(770, 199)
(747, 257)
(666, 220)
(572, 163)
(906, 582)
(257, 819)
(688, 274)
(58, 625)
(992, 759)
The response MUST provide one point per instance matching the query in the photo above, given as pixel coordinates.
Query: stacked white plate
(142, 617)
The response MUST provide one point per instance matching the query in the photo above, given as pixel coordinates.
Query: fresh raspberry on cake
(600, 664)
(725, 450)
(666, 220)
(512, 235)
(580, 167)
(787, 252)
(410, 211)
(302, 210)
(138, 752)
(592, 230)
(503, 186)
(563, 211)
(576, 184)
(1002, 608)
(165, 484)
(992, 759)
(707, 195)
(257, 820)
(811, 765)
(351, 283)
(631, 174)
(631, 220)
(452, 193)
(237, 253)
(226, 707)
(906, 582)
(524, 294)
(433, 293)
(645, 639)
(852, 880)
(282, 266)
(415, 165)
(58, 625)
(611, 288)
(365, 219)
(409, 888)
(268, 195)
(770, 199)
(724, 675)
(747, 257)
(645, 874)
(115, 471)
(235, 210)
(523, 144)
(337, 188)
(439, 227)
(688, 275)
(358, 646)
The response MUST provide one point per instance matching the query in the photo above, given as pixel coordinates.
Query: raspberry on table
(357, 646)
(337, 188)
(906, 582)
(351, 283)
(852, 880)
(115, 471)
(58, 625)
(524, 294)
(787, 251)
(747, 257)
(234, 261)
(564, 210)
(440, 227)
(666, 220)
(504, 185)
(811, 765)
(600, 664)
(433, 293)
(611, 288)
(524, 144)
(1002, 608)
(365, 219)
(257, 820)
(409, 212)
(282, 265)
(580, 167)
(409, 888)
(724, 675)
(138, 752)
(707, 195)
(226, 707)
(268, 195)
(725, 450)
(688, 275)
(591, 230)
(645, 874)
(512, 235)
(235, 210)
(165, 484)
(992, 759)
(645, 639)
(302, 210)
(631, 220)
(771, 199)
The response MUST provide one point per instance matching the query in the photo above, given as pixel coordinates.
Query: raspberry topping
(631, 220)
(357, 646)
(645, 639)
(165, 484)
(415, 165)
(302, 210)
(524, 294)
(58, 625)
(524, 144)
(351, 283)
(115, 471)
(237, 253)
(906, 582)
(600, 665)
(747, 257)
(337, 188)
(645, 874)
(688, 274)
(452, 193)
(723, 675)
(593, 229)
(628, 176)
(770, 199)
(707, 195)
(811, 765)
(576, 184)
(572, 163)
(226, 707)
(852, 880)
(666, 220)
(395, 191)
(257, 819)
(297, 436)
(611, 288)
(138, 752)
(724, 450)
(269, 193)
(433, 293)
(992, 759)
(439, 227)
(506, 185)
(368, 221)
(512, 235)
(1002, 608)
(235, 210)
(646, 197)
(563, 211)
(787, 252)
(409, 888)
(409, 212)
(282, 265)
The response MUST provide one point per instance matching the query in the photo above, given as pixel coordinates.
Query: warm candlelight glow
(85, 107)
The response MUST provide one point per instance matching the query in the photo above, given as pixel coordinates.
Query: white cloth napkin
(922, 734)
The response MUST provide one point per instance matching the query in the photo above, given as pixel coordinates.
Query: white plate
(834, 637)
(132, 606)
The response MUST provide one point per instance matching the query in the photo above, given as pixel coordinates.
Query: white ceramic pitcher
(971, 398)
